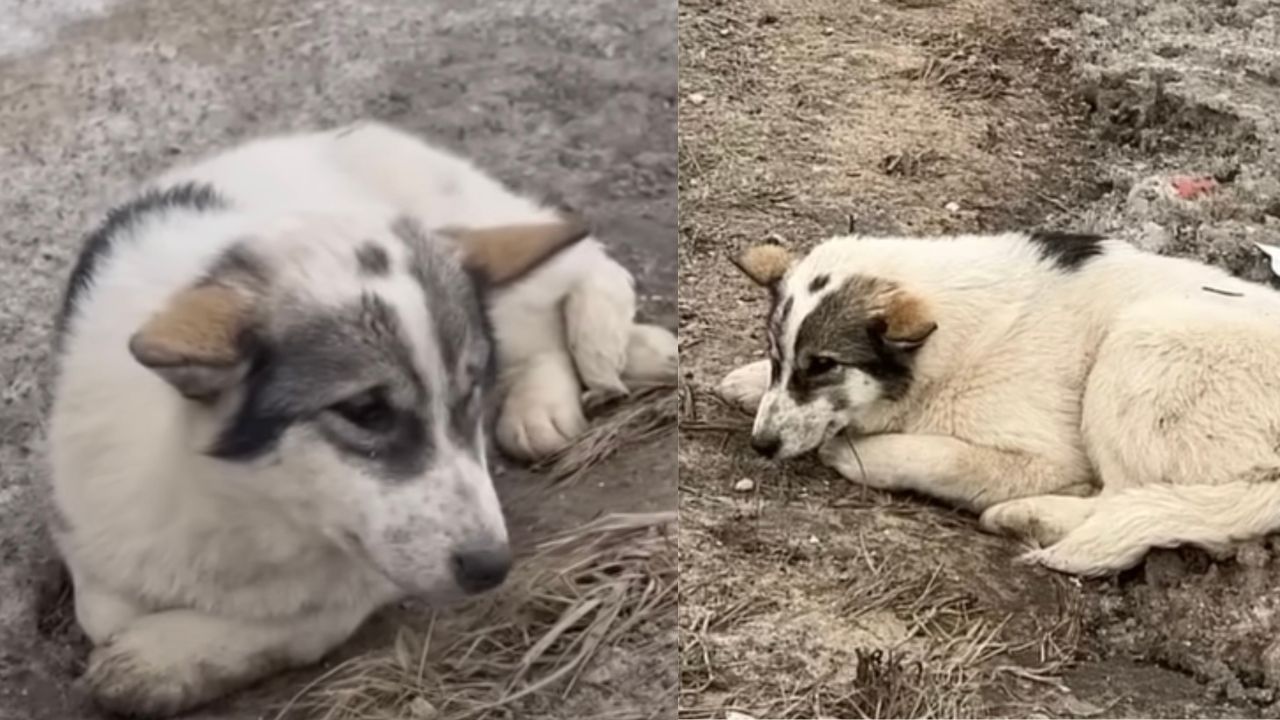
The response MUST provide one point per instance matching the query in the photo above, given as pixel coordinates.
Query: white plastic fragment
(1273, 253)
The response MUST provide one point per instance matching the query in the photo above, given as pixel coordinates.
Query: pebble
(697, 98)
(952, 206)
(744, 485)
(421, 709)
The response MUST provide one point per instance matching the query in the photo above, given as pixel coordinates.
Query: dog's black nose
(479, 569)
(766, 445)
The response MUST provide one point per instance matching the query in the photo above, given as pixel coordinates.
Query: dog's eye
(368, 411)
(819, 365)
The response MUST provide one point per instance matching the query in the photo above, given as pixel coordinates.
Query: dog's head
(340, 372)
(841, 344)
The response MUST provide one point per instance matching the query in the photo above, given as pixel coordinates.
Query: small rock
(952, 206)
(697, 98)
(421, 709)
(813, 540)
(744, 485)
(1253, 555)
(1153, 237)
(1093, 23)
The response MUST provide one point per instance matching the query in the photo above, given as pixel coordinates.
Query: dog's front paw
(746, 386)
(840, 454)
(136, 676)
(653, 356)
(540, 418)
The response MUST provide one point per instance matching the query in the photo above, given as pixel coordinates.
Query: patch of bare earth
(807, 596)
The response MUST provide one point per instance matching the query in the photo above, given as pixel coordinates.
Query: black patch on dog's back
(195, 197)
(373, 260)
(1067, 251)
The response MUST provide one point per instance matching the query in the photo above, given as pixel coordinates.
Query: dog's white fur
(193, 576)
(1128, 404)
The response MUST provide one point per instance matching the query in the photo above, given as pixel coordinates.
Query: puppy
(1094, 399)
(268, 418)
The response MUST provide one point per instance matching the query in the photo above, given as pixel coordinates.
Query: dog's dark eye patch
(294, 375)
(819, 365)
(840, 327)
(370, 411)
(819, 282)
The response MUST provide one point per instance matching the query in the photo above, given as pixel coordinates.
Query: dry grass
(951, 651)
(605, 584)
(616, 422)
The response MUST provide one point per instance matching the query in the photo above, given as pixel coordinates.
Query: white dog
(268, 417)
(1094, 399)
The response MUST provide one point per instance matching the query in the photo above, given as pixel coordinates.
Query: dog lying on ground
(268, 418)
(1094, 399)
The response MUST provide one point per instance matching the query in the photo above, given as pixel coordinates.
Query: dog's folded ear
(506, 253)
(199, 341)
(903, 322)
(764, 264)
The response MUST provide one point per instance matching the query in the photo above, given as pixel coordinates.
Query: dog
(269, 413)
(1093, 399)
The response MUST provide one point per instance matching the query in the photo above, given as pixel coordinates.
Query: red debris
(1190, 188)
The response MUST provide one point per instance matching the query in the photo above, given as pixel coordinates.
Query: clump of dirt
(804, 120)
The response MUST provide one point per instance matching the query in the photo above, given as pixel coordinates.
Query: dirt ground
(807, 596)
(572, 101)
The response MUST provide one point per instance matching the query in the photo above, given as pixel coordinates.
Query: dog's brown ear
(764, 264)
(506, 253)
(905, 322)
(198, 341)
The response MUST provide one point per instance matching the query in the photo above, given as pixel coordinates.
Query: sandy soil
(807, 596)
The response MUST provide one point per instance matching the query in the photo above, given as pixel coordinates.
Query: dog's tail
(1126, 524)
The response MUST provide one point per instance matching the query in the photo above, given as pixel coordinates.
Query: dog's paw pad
(531, 431)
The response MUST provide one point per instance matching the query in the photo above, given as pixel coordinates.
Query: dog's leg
(1042, 520)
(960, 473)
(541, 408)
(746, 386)
(170, 662)
(599, 313)
(101, 612)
